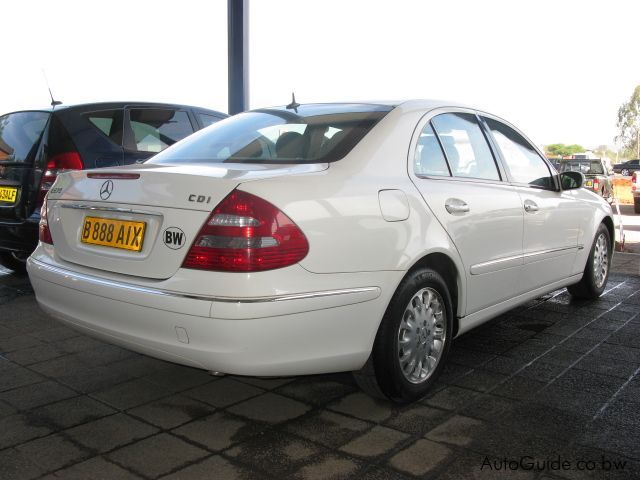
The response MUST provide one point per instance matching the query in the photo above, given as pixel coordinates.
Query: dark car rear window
(19, 135)
(309, 134)
(585, 166)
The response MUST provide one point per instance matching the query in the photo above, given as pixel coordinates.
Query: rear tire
(14, 261)
(596, 271)
(413, 340)
(625, 172)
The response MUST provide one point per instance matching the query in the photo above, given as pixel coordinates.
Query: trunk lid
(155, 210)
(20, 163)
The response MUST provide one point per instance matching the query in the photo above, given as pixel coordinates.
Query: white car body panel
(368, 222)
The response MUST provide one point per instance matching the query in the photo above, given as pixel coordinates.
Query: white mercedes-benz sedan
(320, 238)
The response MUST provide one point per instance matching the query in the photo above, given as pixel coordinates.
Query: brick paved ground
(553, 378)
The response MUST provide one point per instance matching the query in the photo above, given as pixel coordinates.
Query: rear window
(586, 167)
(154, 129)
(307, 134)
(19, 135)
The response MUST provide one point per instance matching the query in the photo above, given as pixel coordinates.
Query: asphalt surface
(550, 390)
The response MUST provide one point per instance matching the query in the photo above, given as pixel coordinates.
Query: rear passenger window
(109, 122)
(207, 120)
(465, 146)
(429, 158)
(154, 129)
(523, 161)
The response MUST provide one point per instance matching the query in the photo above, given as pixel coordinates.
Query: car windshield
(584, 166)
(306, 134)
(19, 135)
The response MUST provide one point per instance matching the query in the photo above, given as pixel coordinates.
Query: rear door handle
(530, 206)
(456, 206)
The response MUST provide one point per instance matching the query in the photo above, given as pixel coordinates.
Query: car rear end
(195, 262)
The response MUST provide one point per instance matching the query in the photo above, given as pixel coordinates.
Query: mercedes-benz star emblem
(106, 189)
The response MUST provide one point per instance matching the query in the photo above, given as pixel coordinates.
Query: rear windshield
(19, 135)
(585, 166)
(306, 134)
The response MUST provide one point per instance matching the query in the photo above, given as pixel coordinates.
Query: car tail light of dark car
(245, 233)
(55, 166)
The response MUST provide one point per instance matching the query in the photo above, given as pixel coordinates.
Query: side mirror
(571, 180)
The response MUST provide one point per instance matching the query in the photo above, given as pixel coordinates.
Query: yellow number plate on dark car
(8, 194)
(113, 233)
(589, 183)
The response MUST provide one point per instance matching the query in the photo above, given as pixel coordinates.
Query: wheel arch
(608, 222)
(446, 267)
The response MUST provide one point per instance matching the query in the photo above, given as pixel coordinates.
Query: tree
(629, 123)
(562, 150)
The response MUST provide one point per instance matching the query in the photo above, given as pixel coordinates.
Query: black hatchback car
(36, 145)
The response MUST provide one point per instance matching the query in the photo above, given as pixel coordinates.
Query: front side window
(522, 159)
(308, 134)
(465, 146)
(155, 129)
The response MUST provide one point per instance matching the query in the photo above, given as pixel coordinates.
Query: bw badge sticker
(174, 238)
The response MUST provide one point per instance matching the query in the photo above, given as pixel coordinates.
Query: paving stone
(139, 366)
(480, 380)
(375, 472)
(14, 377)
(622, 440)
(541, 371)
(79, 343)
(619, 352)
(36, 394)
(223, 468)
(219, 431)
(20, 428)
(55, 334)
(110, 432)
(157, 455)
(363, 406)
(504, 365)
(378, 441)
(417, 419)
(172, 411)
(223, 392)
(6, 409)
(96, 468)
(88, 380)
(275, 453)
(131, 394)
(621, 412)
(581, 402)
(270, 408)
(16, 466)
(328, 467)
(328, 428)
(422, 457)
(265, 383)
(562, 357)
(582, 380)
(469, 465)
(458, 430)
(104, 354)
(39, 353)
(176, 378)
(73, 411)
(490, 408)
(519, 388)
(53, 452)
(316, 391)
(451, 398)
(18, 342)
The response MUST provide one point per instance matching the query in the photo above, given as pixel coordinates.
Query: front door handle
(456, 206)
(530, 206)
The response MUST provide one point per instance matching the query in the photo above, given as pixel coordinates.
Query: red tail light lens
(56, 165)
(596, 184)
(245, 233)
(44, 234)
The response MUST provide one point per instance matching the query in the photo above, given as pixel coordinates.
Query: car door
(458, 177)
(551, 216)
(149, 130)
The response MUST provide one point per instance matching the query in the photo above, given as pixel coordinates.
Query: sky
(559, 70)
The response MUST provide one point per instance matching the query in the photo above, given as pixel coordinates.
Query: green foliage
(561, 150)
(629, 124)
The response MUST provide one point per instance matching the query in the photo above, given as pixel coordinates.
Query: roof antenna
(293, 105)
(53, 102)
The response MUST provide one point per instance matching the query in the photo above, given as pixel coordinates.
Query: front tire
(413, 340)
(596, 271)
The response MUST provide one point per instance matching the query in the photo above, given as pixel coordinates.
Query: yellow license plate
(589, 183)
(8, 194)
(113, 233)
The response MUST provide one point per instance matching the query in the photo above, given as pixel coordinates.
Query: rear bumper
(20, 237)
(295, 333)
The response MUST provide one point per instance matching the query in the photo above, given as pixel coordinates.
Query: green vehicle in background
(598, 178)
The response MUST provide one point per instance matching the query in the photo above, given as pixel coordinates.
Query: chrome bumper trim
(108, 209)
(74, 276)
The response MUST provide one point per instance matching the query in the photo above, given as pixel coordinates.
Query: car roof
(117, 104)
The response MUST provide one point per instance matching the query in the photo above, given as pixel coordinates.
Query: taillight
(596, 184)
(44, 234)
(245, 233)
(55, 166)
